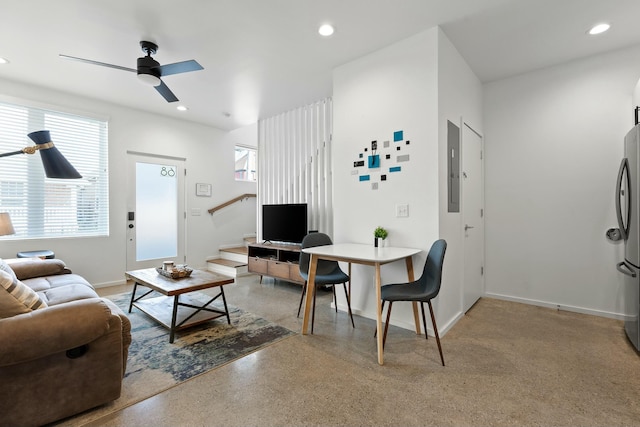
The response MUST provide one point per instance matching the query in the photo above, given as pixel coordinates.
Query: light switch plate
(402, 211)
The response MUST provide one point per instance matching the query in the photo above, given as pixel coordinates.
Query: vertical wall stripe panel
(294, 150)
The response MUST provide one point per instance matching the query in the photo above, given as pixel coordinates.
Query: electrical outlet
(402, 211)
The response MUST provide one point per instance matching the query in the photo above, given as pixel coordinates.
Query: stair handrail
(230, 202)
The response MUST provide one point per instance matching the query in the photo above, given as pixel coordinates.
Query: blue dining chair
(328, 273)
(422, 290)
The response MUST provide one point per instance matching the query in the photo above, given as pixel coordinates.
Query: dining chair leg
(435, 330)
(304, 290)
(424, 321)
(335, 299)
(386, 325)
(348, 304)
(375, 333)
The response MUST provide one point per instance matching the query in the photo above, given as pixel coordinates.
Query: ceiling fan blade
(103, 64)
(166, 93)
(180, 67)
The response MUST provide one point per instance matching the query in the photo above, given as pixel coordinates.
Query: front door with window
(155, 211)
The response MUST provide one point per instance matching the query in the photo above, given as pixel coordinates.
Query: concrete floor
(507, 364)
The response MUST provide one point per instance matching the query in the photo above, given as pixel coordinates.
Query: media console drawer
(258, 265)
(294, 273)
(278, 269)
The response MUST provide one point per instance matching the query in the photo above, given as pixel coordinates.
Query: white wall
(392, 89)
(210, 159)
(459, 98)
(554, 140)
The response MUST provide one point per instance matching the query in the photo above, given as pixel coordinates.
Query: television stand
(275, 260)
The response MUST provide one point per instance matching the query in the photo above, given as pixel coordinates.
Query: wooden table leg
(379, 315)
(416, 315)
(349, 297)
(311, 290)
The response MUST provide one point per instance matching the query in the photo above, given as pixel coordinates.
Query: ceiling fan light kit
(149, 70)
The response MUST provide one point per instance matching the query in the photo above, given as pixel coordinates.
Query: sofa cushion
(26, 268)
(66, 293)
(16, 297)
(42, 284)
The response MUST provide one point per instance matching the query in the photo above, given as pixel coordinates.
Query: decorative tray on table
(176, 273)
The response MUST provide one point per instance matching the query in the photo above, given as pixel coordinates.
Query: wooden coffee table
(164, 309)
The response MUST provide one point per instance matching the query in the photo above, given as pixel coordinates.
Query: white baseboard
(443, 329)
(108, 284)
(574, 309)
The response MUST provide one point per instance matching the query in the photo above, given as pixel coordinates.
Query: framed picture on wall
(203, 190)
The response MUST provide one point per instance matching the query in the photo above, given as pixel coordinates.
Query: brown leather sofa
(63, 351)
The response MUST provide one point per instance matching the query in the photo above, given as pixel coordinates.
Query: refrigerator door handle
(626, 270)
(624, 226)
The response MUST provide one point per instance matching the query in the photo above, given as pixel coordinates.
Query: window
(42, 207)
(245, 163)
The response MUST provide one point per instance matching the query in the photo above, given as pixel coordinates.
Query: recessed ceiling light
(181, 108)
(599, 29)
(4, 61)
(325, 30)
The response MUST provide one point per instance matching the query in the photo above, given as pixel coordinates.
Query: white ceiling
(264, 57)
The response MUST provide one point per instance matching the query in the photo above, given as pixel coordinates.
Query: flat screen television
(284, 223)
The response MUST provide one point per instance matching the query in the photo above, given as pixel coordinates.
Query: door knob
(467, 226)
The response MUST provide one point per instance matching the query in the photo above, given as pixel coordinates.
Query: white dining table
(360, 254)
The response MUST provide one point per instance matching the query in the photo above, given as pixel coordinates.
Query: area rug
(154, 365)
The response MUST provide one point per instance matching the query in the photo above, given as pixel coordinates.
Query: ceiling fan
(149, 70)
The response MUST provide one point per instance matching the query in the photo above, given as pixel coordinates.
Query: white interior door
(473, 216)
(155, 211)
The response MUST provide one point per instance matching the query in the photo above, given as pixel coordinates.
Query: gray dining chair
(422, 290)
(328, 273)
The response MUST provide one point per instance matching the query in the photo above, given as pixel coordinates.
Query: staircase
(232, 261)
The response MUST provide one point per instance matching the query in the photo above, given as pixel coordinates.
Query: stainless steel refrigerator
(628, 213)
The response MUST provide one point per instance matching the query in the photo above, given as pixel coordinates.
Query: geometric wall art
(377, 162)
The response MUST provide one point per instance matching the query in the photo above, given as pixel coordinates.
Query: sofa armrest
(27, 268)
(51, 330)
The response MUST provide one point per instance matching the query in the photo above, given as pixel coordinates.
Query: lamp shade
(55, 164)
(6, 227)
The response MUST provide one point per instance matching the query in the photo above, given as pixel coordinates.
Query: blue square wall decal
(374, 161)
(364, 178)
(398, 136)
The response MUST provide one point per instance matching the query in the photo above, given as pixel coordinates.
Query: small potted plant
(379, 233)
